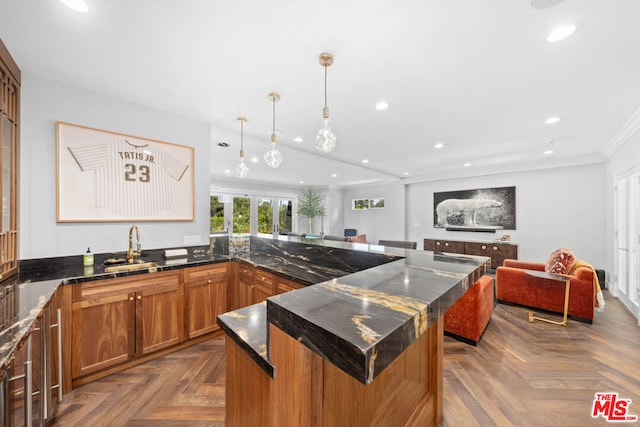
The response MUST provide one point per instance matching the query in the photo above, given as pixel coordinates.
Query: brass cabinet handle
(139, 296)
(130, 298)
(209, 281)
(446, 244)
(495, 248)
(437, 243)
(484, 246)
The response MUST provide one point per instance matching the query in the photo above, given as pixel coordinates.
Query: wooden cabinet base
(77, 382)
(308, 390)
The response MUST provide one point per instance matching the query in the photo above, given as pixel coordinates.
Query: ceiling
(478, 76)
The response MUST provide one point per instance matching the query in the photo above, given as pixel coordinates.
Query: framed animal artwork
(484, 209)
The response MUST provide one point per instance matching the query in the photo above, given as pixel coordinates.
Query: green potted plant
(311, 205)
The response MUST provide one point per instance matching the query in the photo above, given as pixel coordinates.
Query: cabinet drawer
(263, 278)
(128, 284)
(481, 249)
(284, 285)
(206, 274)
(444, 246)
(245, 270)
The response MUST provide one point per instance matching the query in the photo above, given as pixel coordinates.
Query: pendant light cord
(325, 86)
(274, 115)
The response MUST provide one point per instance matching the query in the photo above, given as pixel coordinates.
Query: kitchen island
(364, 348)
(354, 334)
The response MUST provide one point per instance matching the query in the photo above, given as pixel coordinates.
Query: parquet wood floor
(521, 374)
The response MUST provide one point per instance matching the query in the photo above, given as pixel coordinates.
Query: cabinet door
(206, 289)
(245, 285)
(9, 149)
(103, 332)
(159, 314)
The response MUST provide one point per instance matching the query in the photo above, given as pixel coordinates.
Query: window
(265, 216)
(217, 215)
(285, 216)
(241, 215)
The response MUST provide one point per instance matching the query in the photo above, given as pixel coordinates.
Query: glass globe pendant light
(325, 139)
(242, 170)
(273, 158)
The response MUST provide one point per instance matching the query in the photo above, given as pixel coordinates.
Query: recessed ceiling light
(298, 139)
(380, 106)
(223, 144)
(561, 33)
(254, 159)
(466, 165)
(335, 175)
(301, 182)
(551, 120)
(365, 160)
(405, 173)
(547, 152)
(438, 145)
(227, 171)
(77, 5)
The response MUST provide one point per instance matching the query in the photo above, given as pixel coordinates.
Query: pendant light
(242, 170)
(325, 139)
(273, 158)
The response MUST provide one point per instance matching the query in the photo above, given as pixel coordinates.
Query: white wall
(377, 224)
(334, 218)
(43, 102)
(624, 158)
(554, 208)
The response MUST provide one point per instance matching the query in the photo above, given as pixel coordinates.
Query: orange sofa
(467, 319)
(513, 285)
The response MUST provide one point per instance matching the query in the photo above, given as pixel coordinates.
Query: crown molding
(626, 131)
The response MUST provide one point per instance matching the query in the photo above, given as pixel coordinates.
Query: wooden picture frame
(104, 176)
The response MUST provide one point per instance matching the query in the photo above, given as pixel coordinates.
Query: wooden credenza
(497, 251)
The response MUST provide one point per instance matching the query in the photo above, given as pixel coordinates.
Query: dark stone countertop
(364, 317)
(305, 261)
(23, 297)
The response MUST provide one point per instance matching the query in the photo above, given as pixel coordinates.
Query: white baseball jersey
(131, 180)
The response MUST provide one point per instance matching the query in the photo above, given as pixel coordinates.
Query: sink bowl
(152, 266)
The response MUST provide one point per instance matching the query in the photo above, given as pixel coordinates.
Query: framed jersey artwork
(106, 176)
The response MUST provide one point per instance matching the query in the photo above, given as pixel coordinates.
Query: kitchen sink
(152, 266)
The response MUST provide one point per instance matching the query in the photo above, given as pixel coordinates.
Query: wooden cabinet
(206, 297)
(254, 284)
(24, 406)
(263, 282)
(497, 251)
(159, 313)
(31, 384)
(245, 284)
(116, 320)
(9, 148)
(283, 285)
(444, 246)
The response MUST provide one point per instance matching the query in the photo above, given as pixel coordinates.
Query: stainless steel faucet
(131, 254)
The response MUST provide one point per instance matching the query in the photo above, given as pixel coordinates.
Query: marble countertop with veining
(361, 320)
(23, 297)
